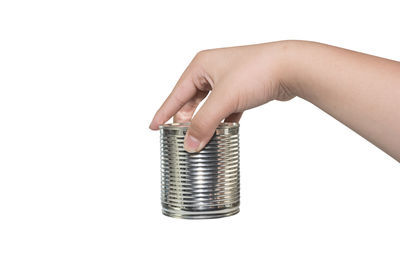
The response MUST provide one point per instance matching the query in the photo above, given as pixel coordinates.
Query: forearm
(361, 91)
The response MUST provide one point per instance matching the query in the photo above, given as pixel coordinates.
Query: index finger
(183, 91)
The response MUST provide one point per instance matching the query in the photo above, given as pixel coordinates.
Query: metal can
(200, 185)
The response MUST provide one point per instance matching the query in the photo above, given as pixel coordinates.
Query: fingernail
(191, 144)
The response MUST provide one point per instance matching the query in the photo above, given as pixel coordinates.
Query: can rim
(185, 125)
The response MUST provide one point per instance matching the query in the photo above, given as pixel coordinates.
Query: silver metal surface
(200, 185)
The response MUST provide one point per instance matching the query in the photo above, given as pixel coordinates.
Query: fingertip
(154, 125)
(191, 143)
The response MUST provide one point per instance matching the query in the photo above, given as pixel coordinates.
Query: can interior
(186, 125)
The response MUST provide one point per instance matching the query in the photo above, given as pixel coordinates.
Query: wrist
(291, 70)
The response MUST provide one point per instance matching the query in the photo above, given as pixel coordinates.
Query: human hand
(236, 79)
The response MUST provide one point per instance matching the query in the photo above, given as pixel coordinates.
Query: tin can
(200, 185)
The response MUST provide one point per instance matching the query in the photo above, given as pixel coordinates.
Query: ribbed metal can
(200, 185)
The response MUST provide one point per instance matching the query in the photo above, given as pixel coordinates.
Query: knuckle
(178, 99)
(201, 55)
(199, 128)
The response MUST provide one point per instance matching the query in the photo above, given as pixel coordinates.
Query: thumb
(203, 125)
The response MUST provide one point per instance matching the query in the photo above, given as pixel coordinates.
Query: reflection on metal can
(200, 185)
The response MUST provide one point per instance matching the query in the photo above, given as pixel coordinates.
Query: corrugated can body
(200, 185)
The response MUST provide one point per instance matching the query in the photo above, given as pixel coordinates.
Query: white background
(79, 169)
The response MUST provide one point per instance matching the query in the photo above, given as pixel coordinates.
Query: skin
(360, 90)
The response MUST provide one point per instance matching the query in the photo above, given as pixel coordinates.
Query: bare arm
(360, 90)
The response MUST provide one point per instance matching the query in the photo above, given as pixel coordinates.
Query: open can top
(181, 128)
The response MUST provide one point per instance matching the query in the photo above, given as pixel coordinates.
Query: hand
(360, 90)
(236, 79)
